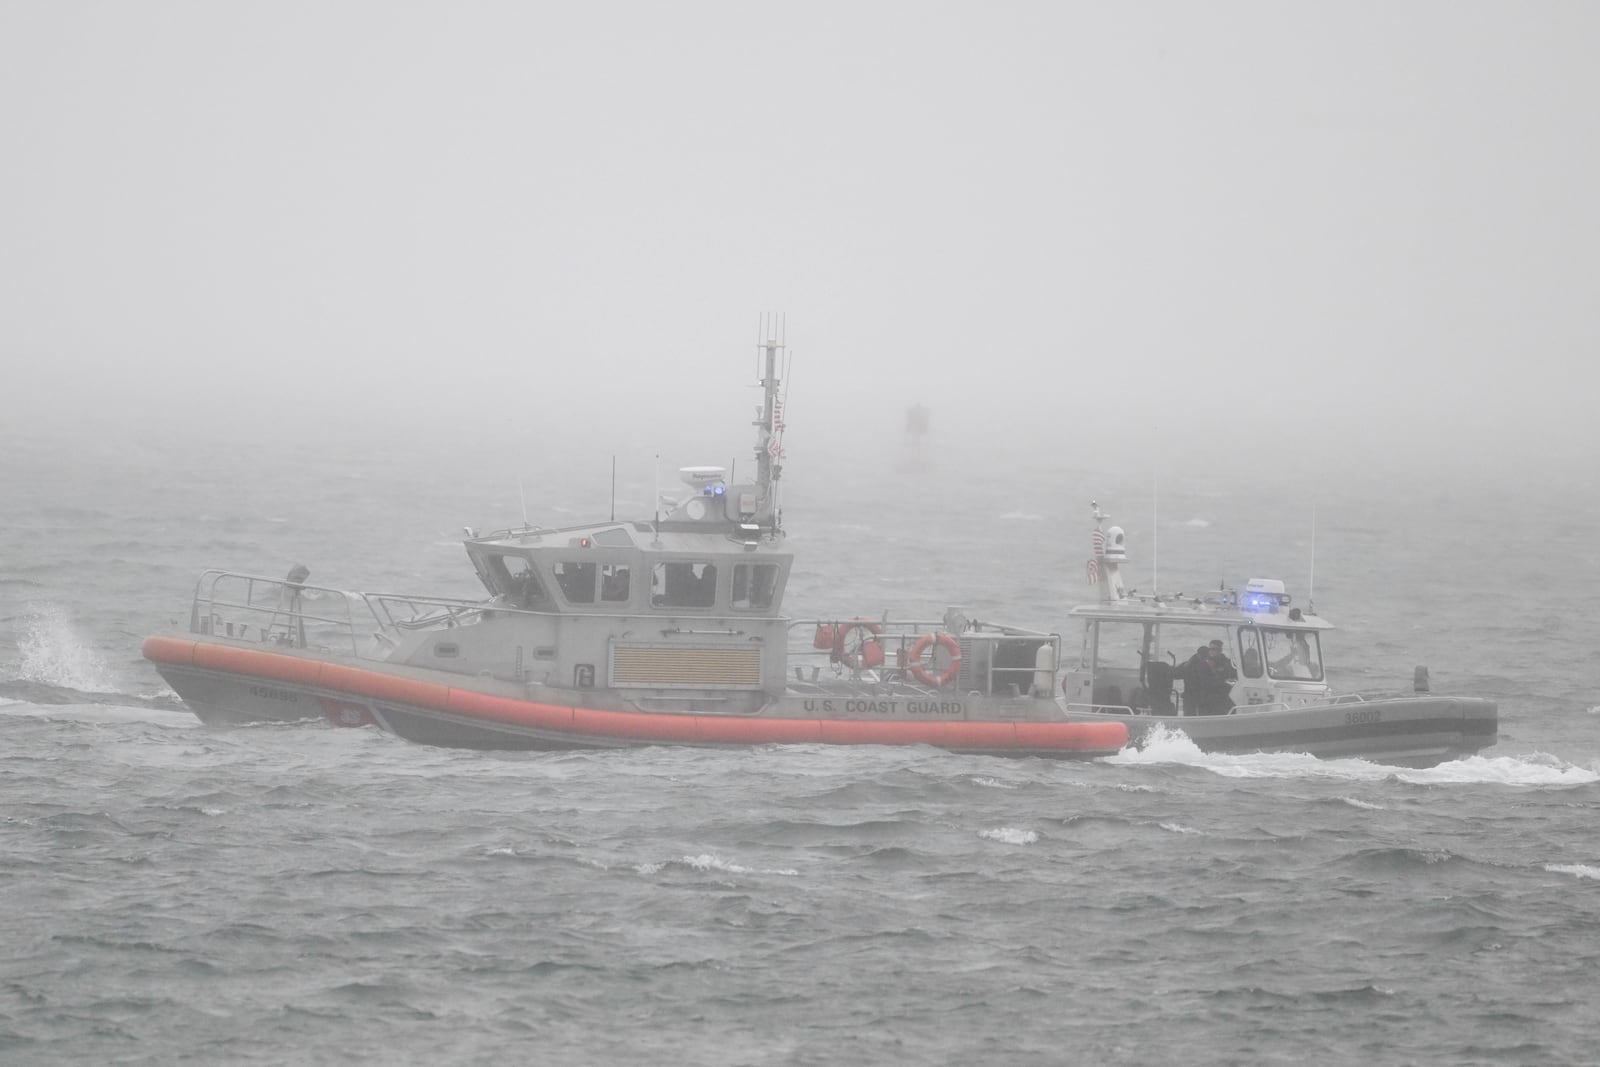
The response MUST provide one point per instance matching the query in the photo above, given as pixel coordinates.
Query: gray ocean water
(180, 894)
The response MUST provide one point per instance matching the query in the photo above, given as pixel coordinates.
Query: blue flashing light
(717, 490)
(1265, 602)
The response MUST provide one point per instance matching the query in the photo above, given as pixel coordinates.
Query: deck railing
(293, 614)
(841, 660)
(1237, 709)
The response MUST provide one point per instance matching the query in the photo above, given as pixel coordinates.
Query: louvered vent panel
(686, 668)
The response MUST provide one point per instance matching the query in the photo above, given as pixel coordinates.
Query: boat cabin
(1155, 655)
(684, 606)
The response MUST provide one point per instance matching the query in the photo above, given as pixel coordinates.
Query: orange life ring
(861, 651)
(926, 676)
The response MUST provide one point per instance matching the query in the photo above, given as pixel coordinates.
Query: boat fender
(928, 677)
(1044, 665)
(823, 639)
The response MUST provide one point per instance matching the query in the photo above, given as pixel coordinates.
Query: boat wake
(24, 691)
(1165, 746)
(708, 863)
(1578, 870)
(111, 709)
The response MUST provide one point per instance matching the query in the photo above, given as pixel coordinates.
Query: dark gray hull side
(1402, 731)
(224, 700)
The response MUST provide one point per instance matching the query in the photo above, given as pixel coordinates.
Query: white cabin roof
(1194, 610)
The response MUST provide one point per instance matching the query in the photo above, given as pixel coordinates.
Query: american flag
(1091, 571)
(1098, 540)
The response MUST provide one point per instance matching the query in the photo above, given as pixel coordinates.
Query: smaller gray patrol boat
(618, 633)
(1242, 671)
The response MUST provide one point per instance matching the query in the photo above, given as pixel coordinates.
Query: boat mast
(769, 420)
(1110, 553)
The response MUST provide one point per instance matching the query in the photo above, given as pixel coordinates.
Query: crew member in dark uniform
(1195, 673)
(1216, 697)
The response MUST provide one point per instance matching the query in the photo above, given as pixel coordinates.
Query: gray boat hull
(233, 682)
(1412, 731)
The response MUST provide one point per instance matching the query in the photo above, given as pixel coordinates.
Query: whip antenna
(1311, 582)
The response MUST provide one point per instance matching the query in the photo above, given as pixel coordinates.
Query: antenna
(1311, 582)
(524, 498)
(1155, 534)
(613, 487)
(658, 499)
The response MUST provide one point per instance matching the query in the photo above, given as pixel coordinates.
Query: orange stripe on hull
(173, 650)
(644, 726)
(272, 665)
(385, 686)
(504, 709)
(639, 726)
(718, 730)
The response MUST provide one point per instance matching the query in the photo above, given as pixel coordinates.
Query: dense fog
(1314, 239)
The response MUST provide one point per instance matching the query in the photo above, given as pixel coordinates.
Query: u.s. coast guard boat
(1242, 671)
(613, 633)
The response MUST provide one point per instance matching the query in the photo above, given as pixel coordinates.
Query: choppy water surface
(302, 894)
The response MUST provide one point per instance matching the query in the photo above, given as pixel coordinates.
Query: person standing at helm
(1195, 673)
(1217, 696)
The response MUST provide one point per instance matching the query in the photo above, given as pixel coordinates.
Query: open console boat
(1147, 661)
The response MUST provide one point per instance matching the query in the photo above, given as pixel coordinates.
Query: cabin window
(614, 582)
(1112, 651)
(1124, 653)
(683, 584)
(754, 585)
(1293, 655)
(1249, 654)
(576, 581)
(514, 577)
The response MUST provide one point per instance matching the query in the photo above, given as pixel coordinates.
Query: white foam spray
(1576, 869)
(1168, 746)
(54, 653)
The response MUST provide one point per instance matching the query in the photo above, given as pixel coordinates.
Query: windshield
(1293, 655)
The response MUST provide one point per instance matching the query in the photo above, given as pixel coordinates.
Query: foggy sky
(1357, 234)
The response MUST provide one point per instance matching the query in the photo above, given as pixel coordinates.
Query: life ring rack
(928, 677)
(860, 650)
